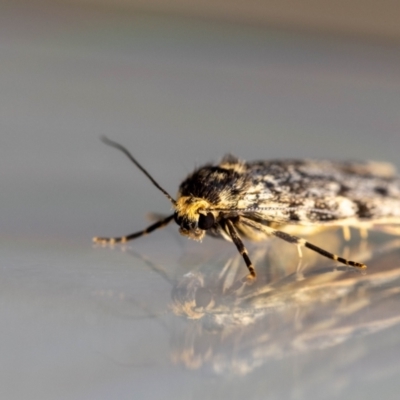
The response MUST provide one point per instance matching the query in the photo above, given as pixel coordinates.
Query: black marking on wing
(364, 210)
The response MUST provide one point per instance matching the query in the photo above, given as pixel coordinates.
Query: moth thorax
(190, 207)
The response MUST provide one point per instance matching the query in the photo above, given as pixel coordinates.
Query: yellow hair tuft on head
(189, 206)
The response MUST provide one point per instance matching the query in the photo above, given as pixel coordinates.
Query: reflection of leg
(346, 251)
(123, 239)
(299, 251)
(299, 241)
(299, 271)
(346, 233)
(241, 248)
(389, 229)
(364, 233)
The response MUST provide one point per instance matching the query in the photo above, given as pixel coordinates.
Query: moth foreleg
(241, 248)
(123, 239)
(299, 241)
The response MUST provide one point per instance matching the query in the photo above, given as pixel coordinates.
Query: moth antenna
(117, 146)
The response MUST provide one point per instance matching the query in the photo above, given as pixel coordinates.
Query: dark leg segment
(241, 248)
(299, 241)
(123, 239)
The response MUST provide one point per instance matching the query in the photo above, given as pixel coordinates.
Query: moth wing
(379, 169)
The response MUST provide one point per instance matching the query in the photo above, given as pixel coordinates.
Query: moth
(257, 200)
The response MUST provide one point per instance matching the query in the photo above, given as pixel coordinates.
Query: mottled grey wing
(314, 192)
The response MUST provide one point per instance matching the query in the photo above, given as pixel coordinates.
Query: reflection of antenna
(153, 266)
(130, 156)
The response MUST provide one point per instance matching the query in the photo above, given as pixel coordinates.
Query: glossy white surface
(81, 322)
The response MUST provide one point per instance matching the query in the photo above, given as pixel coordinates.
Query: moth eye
(177, 219)
(206, 221)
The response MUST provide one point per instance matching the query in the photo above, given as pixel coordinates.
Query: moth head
(194, 217)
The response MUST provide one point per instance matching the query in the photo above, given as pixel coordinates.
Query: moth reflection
(234, 328)
(293, 308)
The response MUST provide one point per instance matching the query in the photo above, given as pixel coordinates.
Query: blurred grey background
(179, 84)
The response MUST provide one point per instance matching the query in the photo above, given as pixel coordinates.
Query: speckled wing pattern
(317, 192)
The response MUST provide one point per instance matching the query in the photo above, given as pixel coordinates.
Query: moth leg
(299, 241)
(346, 233)
(242, 249)
(124, 239)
